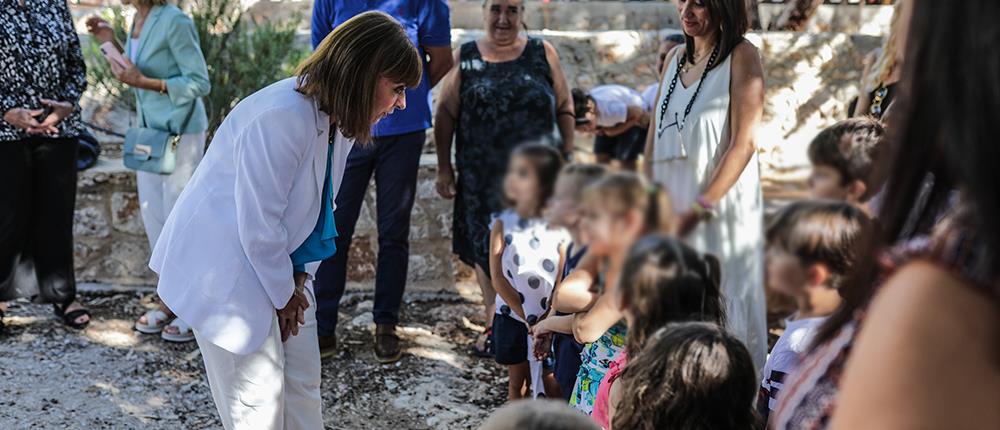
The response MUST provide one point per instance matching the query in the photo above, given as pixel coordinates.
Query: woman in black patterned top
(42, 76)
(505, 89)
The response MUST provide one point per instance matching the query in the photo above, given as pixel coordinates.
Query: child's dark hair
(547, 162)
(852, 147)
(821, 231)
(689, 376)
(665, 281)
(581, 105)
(622, 191)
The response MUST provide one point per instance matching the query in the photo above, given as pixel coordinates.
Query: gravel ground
(109, 376)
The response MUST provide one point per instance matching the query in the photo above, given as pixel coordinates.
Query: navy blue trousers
(394, 161)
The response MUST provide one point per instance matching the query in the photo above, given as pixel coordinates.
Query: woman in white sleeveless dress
(701, 148)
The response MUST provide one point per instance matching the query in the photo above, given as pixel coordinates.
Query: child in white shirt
(810, 250)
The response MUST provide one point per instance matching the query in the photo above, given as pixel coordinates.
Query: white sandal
(155, 321)
(184, 333)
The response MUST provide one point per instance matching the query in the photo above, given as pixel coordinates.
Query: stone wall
(809, 80)
(110, 243)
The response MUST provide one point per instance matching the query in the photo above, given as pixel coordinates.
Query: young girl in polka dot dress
(525, 257)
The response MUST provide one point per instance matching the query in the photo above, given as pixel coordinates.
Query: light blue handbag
(152, 150)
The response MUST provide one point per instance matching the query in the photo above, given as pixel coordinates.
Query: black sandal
(3, 327)
(69, 318)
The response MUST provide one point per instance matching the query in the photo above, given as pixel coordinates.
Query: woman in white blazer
(233, 254)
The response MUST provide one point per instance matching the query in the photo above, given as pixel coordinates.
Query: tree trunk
(796, 15)
(753, 14)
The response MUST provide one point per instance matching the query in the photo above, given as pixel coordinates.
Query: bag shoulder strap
(187, 118)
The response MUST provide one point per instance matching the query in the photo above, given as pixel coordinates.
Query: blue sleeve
(298, 268)
(185, 47)
(435, 24)
(322, 21)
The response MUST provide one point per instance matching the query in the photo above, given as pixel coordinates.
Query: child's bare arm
(614, 396)
(590, 326)
(554, 324)
(574, 293)
(500, 284)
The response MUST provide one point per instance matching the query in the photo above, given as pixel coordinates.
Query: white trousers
(275, 387)
(158, 193)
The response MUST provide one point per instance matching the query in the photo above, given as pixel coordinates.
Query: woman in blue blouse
(168, 72)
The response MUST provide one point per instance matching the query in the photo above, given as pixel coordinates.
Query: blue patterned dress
(595, 361)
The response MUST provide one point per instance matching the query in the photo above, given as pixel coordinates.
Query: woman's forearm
(147, 83)
(566, 124)
(732, 165)
(444, 131)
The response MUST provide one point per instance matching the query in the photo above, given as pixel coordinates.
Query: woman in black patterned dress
(505, 88)
(42, 76)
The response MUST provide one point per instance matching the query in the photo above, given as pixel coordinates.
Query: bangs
(407, 69)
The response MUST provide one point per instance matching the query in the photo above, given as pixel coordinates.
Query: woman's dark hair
(730, 16)
(619, 192)
(343, 74)
(689, 376)
(665, 281)
(547, 162)
(944, 138)
(821, 231)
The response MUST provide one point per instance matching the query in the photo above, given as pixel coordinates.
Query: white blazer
(223, 255)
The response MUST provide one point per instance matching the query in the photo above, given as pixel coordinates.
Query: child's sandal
(486, 339)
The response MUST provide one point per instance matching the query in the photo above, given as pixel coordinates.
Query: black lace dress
(501, 105)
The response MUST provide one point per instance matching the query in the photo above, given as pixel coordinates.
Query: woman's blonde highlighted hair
(343, 74)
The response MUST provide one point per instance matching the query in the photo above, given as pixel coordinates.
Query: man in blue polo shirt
(394, 159)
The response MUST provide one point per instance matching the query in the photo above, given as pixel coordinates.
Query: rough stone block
(90, 222)
(125, 215)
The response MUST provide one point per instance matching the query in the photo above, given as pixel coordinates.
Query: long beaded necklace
(673, 85)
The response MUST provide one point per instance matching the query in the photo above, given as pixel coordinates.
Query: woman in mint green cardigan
(169, 76)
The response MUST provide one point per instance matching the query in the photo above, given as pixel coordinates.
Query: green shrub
(242, 57)
(99, 74)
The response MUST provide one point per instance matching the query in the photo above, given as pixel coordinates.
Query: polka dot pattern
(549, 266)
(530, 262)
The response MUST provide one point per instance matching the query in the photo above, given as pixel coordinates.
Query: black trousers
(37, 196)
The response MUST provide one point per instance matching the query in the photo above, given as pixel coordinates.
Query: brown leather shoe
(387, 348)
(327, 346)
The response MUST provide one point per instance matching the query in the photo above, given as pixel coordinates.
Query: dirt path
(111, 377)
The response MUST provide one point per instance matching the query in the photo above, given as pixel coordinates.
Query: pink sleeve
(600, 413)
